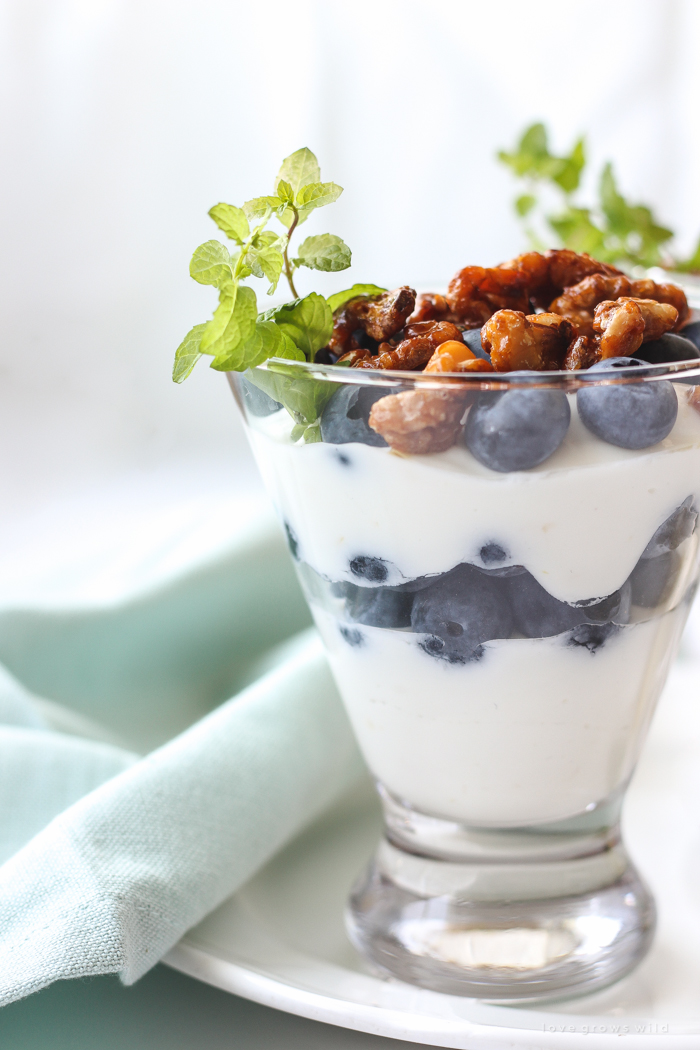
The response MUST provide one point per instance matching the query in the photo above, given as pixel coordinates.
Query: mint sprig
(237, 338)
(613, 229)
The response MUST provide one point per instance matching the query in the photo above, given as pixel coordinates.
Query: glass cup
(500, 567)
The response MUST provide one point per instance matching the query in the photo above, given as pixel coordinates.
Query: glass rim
(556, 380)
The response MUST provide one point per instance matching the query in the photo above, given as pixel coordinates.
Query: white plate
(280, 940)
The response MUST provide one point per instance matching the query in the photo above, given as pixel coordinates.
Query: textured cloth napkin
(110, 855)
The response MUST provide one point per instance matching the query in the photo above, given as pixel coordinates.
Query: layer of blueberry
(456, 612)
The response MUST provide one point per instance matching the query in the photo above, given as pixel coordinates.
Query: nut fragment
(536, 341)
(455, 356)
(378, 316)
(623, 325)
(419, 421)
(411, 353)
(579, 301)
(430, 306)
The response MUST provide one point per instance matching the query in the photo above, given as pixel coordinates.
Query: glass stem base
(506, 914)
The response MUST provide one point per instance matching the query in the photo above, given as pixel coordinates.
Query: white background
(123, 121)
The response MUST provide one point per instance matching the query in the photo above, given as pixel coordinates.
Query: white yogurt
(536, 730)
(578, 522)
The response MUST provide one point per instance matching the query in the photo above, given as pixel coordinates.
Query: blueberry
(292, 541)
(492, 553)
(637, 415)
(375, 570)
(592, 636)
(472, 338)
(353, 637)
(652, 579)
(257, 402)
(668, 347)
(379, 607)
(462, 609)
(614, 607)
(536, 613)
(518, 429)
(677, 528)
(692, 332)
(345, 417)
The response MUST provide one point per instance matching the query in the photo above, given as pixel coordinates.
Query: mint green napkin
(109, 857)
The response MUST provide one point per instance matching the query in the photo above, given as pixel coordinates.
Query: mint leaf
(567, 174)
(532, 159)
(308, 322)
(231, 220)
(324, 252)
(285, 191)
(299, 169)
(525, 204)
(211, 264)
(266, 262)
(188, 353)
(267, 340)
(691, 264)
(232, 324)
(303, 396)
(635, 233)
(340, 298)
(259, 207)
(577, 230)
(316, 195)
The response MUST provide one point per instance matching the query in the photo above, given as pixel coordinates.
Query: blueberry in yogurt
(379, 607)
(672, 532)
(692, 333)
(345, 417)
(537, 614)
(632, 416)
(668, 347)
(517, 430)
(460, 611)
(652, 579)
(374, 570)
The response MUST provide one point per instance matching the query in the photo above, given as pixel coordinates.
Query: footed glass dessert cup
(500, 567)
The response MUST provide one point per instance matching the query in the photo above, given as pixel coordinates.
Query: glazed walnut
(419, 421)
(537, 341)
(546, 275)
(455, 356)
(623, 325)
(578, 302)
(411, 353)
(475, 293)
(430, 307)
(378, 316)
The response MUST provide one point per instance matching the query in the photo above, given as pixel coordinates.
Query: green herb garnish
(237, 337)
(613, 230)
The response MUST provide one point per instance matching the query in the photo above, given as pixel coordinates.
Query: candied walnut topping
(476, 292)
(378, 316)
(430, 306)
(579, 301)
(419, 421)
(623, 325)
(455, 356)
(545, 275)
(536, 341)
(411, 353)
(582, 353)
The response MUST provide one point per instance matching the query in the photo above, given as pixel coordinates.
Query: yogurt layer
(535, 731)
(578, 522)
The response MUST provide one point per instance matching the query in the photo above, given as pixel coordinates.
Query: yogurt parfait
(491, 496)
